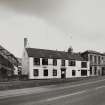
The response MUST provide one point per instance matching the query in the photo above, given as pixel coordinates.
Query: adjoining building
(19, 66)
(97, 62)
(8, 64)
(46, 64)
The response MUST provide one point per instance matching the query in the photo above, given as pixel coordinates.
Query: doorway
(63, 73)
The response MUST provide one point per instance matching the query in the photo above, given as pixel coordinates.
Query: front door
(63, 73)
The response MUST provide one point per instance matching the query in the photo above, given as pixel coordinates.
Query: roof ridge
(46, 49)
(35, 52)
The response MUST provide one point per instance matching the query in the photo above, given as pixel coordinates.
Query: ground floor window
(90, 70)
(36, 72)
(103, 70)
(95, 70)
(54, 72)
(73, 72)
(46, 72)
(83, 72)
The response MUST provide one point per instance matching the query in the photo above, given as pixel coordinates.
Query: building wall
(15, 70)
(96, 64)
(25, 63)
(50, 68)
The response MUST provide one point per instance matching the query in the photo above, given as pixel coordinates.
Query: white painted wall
(25, 63)
(50, 68)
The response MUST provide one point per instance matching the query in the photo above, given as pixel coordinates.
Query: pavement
(81, 93)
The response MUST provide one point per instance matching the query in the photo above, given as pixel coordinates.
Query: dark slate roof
(54, 54)
(93, 52)
(8, 56)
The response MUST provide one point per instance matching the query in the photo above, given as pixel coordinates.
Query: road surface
(86, 93)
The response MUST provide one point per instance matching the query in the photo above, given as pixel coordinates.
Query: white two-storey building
(47, 64)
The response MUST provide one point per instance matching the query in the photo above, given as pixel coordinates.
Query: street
(86, 93)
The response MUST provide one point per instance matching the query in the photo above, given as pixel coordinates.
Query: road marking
(100, 87)
(64, 87)
(58, 97)
(72, 94)
(64, 96)
(68, 95)
(87, 83)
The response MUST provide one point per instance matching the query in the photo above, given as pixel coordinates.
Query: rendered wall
(25, 63)
(50, 68)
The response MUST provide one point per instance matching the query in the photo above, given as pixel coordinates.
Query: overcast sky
(52, 24)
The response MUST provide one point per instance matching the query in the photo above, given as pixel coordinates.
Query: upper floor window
(72, 63)
(63, 62)
(102, 58)
(55, 62)
(44, 61)
(95, 59)
(36, 61)
(84, 64)
(99, 59)
(91, 58)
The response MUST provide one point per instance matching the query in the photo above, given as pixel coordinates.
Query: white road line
(58, 97)
(100, 87)
(68, 95)
(64, 96)
(64, 87)
(81, 84)
(72, 94)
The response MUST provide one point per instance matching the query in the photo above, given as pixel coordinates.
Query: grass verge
(35, 83)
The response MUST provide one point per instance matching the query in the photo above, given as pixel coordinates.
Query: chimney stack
(25, 42)
(70, 50)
